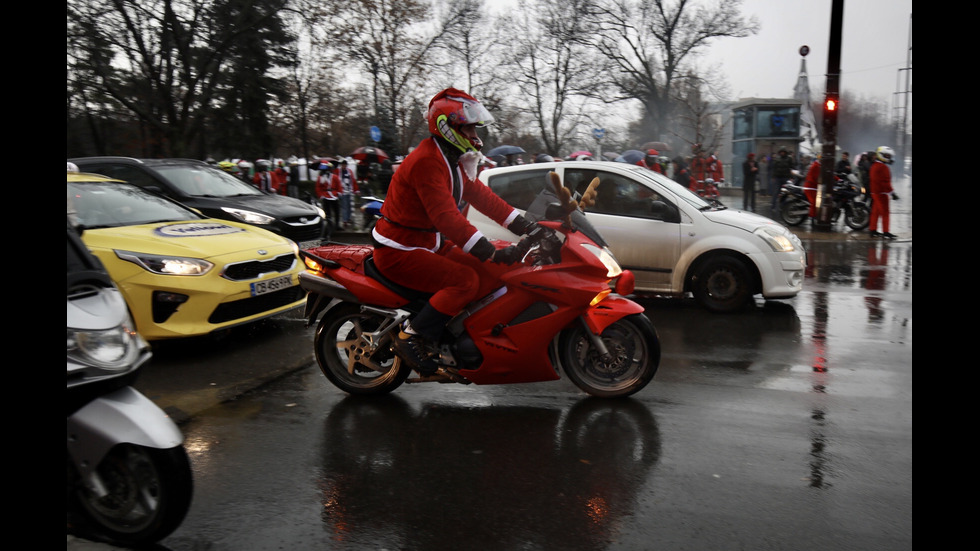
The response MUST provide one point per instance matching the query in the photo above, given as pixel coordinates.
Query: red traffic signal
(830, 104)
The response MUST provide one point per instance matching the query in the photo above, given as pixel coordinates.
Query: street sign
(599, 133)
(375, 133)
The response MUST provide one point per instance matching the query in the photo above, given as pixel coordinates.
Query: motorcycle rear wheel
(149, 494)
(634, 347)
(341, 348)
(858, 217)
(794, 212)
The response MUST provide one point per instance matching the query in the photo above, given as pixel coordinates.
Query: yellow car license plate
(271, 285)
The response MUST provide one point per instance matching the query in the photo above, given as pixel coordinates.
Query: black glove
(509, 255)
(894, 196)
(521, 225)
(483, 249)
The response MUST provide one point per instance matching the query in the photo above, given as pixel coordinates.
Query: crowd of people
(336, 183)
(871, 168)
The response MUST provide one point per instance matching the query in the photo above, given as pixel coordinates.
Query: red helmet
(451, 109)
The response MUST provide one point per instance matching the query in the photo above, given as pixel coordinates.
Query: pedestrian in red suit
(881, 191)
(810, 186)
(423, 241)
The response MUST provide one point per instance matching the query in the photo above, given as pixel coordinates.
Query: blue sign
(376, 133)
(599, 133)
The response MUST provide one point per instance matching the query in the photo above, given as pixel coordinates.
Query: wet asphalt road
(785, 427)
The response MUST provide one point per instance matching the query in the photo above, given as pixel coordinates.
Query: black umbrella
(505, 150)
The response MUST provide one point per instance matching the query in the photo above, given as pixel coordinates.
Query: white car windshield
(680, 191)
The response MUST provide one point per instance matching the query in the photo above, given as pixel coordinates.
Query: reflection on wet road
(788, 426)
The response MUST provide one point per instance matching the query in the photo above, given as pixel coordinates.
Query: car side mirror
(662, 211)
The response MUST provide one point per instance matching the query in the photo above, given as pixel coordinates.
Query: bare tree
(646, 45)
(163, 61)
(391, 44)
(553, 69)
(475, 51)
(699, 120)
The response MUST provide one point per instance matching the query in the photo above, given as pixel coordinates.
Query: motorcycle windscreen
(547, 206)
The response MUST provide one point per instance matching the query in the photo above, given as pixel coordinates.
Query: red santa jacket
(424, 203)
(699, 168)
(325, 188)
(715, 169)
(880, 178)
(266, 181)
(812, 180)
(336, 183)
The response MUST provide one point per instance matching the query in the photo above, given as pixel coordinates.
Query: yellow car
(182, 274)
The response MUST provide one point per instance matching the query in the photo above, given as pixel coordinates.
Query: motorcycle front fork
(596, 340)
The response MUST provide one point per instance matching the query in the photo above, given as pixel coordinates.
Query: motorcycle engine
(467, 355)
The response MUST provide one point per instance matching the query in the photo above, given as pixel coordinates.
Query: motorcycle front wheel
(794, 212)
(858, 216)
(148, 493)
(634, 356)
(343, 345)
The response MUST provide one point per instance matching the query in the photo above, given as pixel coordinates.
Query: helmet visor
(472, 112)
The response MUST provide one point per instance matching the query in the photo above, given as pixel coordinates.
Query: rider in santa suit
(423, 241)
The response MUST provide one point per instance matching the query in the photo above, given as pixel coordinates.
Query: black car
(214, 193)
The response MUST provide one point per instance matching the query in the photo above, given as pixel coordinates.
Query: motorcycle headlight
(110, 349)
(777, 239)
(606, 257)
(250, 217)
(167, 265)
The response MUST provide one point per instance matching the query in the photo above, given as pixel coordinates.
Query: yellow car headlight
(167, 265)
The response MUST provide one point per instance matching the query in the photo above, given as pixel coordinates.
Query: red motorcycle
(554, 309)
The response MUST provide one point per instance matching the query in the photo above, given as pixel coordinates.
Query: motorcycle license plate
(271, 285)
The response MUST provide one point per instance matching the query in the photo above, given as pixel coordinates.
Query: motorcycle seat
(373, 272)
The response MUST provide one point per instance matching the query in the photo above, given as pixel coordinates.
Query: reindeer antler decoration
(568, 204)
(588, 198)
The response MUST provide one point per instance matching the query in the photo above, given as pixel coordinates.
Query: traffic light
(831, 106)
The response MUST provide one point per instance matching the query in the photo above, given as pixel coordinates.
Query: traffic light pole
(831, 106)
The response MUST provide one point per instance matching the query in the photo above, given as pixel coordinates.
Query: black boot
(413, 350)
(415, 341)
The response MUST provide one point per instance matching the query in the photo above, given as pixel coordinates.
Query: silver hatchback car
(673, 241)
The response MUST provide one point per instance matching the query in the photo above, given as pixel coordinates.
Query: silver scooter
(129, 476)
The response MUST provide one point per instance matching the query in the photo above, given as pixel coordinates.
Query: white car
(673, 241)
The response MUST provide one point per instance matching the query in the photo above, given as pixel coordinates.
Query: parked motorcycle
(129, 477)
(846, 196)
(794, 206)
(792, 203)
(554, 309)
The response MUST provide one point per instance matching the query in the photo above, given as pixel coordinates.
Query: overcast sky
(874, 46)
